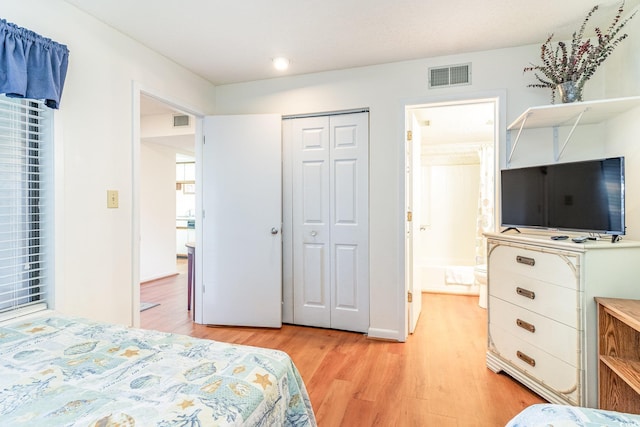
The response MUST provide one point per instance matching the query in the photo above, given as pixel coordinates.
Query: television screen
(580, 196)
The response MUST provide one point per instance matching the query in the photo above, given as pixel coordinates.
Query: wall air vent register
(180, 120)
(450, 75)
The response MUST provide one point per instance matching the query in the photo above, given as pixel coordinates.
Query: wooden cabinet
(542, 313)
(619, 354)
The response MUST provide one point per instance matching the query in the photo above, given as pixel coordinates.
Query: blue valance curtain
(31, 66)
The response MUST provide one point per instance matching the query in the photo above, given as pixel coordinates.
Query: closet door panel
(346, 289)
(350, 221)
(310, 216)
(313, 209)
(346, 186)
(313, 271)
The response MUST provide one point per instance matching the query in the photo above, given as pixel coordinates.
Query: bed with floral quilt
(551, 415)
(62, 371)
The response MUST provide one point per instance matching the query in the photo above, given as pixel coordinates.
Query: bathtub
(449, 279)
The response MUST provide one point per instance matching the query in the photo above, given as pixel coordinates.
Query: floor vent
(451, 75)
(180, 120)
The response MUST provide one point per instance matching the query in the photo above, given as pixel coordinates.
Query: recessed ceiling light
(280, 63)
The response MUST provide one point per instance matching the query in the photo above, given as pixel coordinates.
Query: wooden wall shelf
(571, 114)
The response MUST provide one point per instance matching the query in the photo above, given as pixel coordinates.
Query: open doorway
(167, 197)
(449, 197)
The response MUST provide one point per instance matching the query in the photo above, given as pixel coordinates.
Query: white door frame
(497, 96)
(137, 90)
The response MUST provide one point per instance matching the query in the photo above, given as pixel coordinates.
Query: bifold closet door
(330, 221)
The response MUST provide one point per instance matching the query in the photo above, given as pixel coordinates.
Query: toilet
(480, 277)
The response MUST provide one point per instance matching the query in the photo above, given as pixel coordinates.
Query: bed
(62, 371)
(551, 415)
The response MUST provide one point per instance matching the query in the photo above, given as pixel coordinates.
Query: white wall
(623, 133)
(94, 260)
(385, 89)
(157, 211)
(94, 276)
(161, 125)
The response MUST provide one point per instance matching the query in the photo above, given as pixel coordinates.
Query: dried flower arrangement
(579, 63)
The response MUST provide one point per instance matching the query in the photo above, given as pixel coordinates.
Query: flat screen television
(586, 196)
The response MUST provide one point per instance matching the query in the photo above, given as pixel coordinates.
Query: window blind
(24, 218)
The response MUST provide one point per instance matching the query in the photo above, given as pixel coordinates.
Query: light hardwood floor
(437, 378)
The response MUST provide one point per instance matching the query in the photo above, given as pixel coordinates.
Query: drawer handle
(531, 361)
(526, 325)
(526, 293)
(526, 260)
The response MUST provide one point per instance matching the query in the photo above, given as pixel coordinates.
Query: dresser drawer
(555, 374)
(556, 338)
(556, 302)
(543, 266)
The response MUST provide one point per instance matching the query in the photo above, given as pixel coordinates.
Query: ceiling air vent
(451, 75)
(180, 120)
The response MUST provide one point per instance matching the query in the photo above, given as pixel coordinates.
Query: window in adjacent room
(26, 202)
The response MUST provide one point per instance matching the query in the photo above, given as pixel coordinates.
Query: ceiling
(151, 106)
(461, 125)
(227, 41)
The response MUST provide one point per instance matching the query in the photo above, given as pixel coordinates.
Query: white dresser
(542, 313)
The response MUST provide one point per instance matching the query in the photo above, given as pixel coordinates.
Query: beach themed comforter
(545, 415)
(60, 371)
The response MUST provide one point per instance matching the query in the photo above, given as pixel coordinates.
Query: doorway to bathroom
(451, 150)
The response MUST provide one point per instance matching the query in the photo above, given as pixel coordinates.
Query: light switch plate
(112, 199)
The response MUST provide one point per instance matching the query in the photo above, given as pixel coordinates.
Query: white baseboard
(385, 334)
(158, 277)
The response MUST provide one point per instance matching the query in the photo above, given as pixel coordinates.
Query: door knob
(274, 230)
(314, 234)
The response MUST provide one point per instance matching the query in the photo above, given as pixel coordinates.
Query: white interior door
(408, 231)
(330, 226)
(241, 255)
(414, 181)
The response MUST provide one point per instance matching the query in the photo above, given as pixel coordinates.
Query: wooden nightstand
(619, 354)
